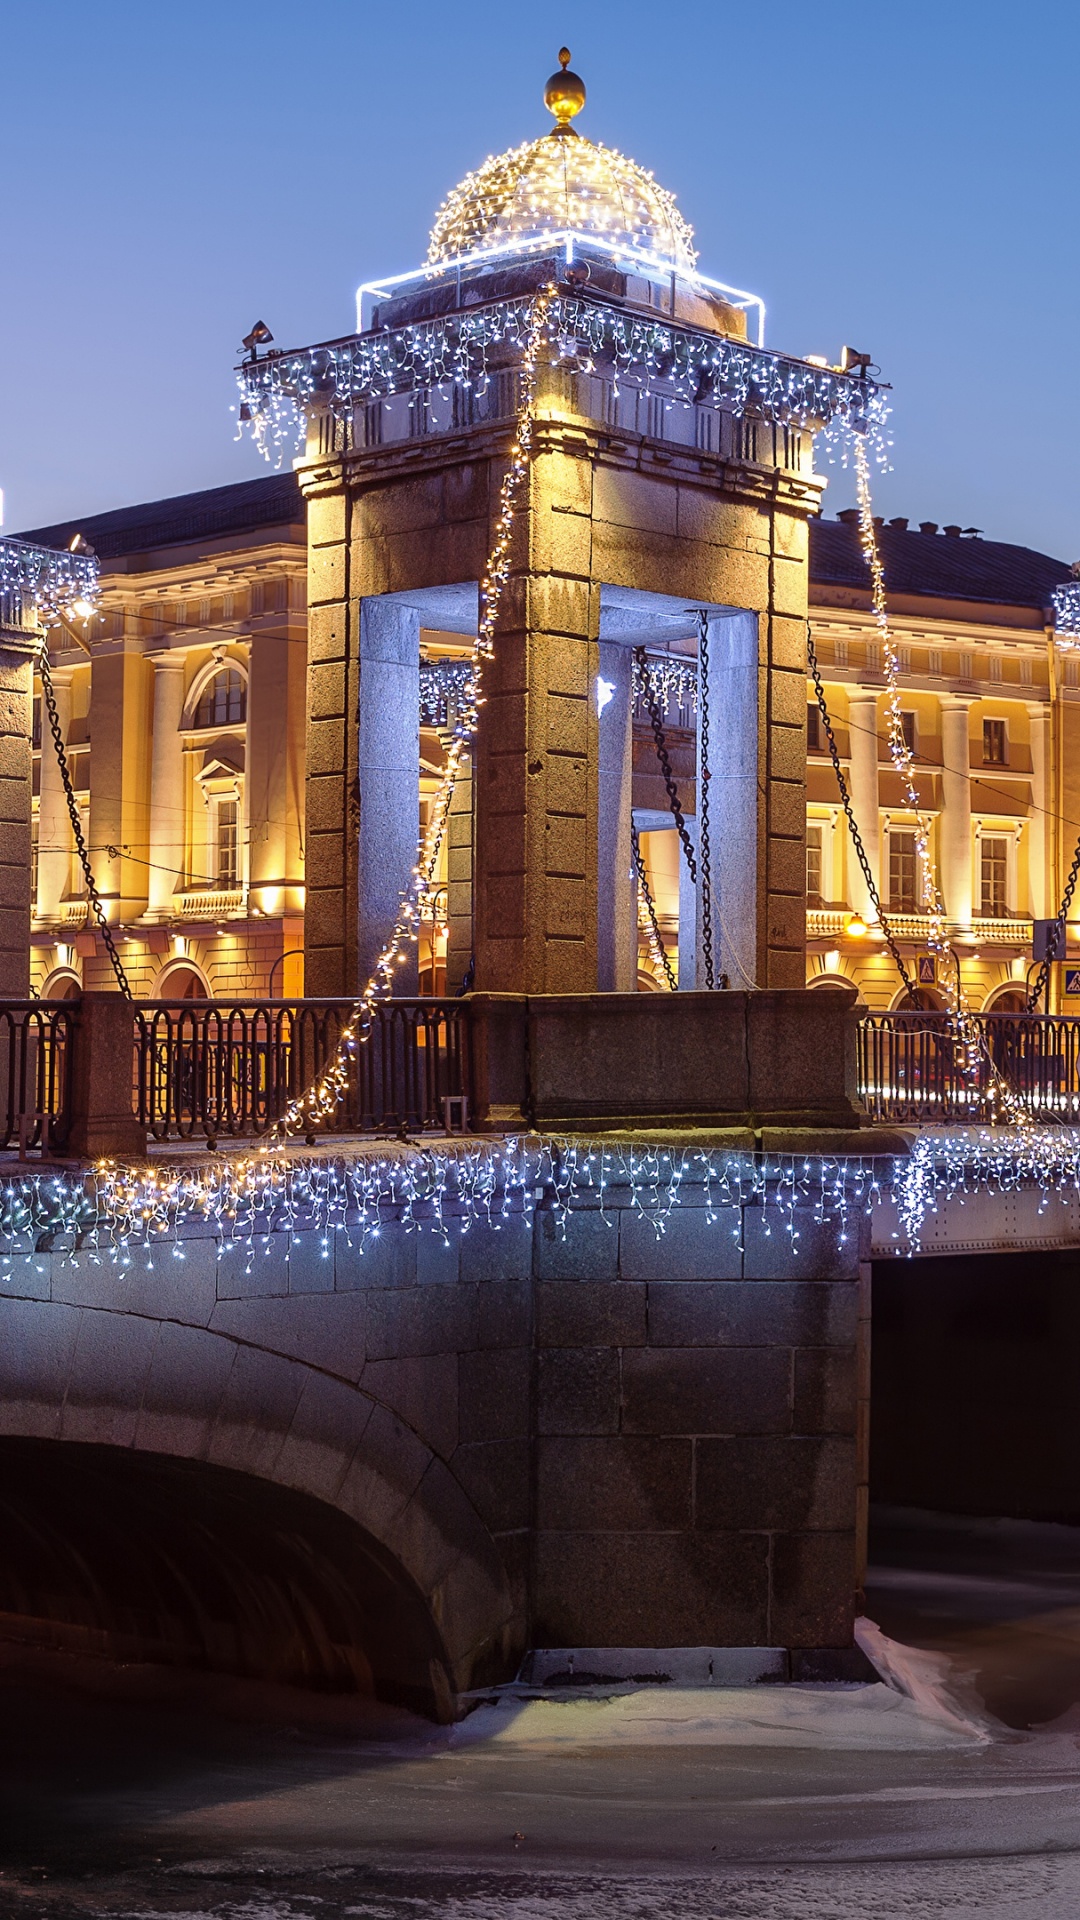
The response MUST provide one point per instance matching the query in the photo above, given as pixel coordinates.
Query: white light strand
(320, 1101)
(687, 368)
(1066, 600)
(44, 582)
(120, 1214)
(562, 182)
(968, 1041)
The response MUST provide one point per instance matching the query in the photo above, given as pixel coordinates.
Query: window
(226, 851)
(995, 745)
(35, 738)
(903, 872)
(813, 730)
(994, 872)
(813, 863)
(223, 700)
(907, 728)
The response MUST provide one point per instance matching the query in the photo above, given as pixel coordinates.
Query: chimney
(900, 524)
(927, 526)
(954, 532)
(849, 517)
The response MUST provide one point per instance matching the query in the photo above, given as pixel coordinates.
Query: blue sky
(902, 177)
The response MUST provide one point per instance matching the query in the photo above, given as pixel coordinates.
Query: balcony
(914, 929)
(211, 903)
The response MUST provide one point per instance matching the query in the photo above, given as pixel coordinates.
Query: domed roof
(562, 183)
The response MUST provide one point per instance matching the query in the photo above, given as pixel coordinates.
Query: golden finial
(564, 95)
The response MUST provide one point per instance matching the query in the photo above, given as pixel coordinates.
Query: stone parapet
(774, 1059)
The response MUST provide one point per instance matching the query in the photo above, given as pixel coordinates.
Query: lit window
(903, 872)
(227, 842)
(907, 727)
(995, 875)
(223, 701)
(814, 743)
(995, 745)
(813, 863)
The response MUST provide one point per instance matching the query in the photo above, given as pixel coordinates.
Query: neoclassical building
(185, 733)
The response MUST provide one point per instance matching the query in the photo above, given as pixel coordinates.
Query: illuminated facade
(198, 730)
(270, 703)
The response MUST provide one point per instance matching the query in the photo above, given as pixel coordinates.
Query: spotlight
(260, 336)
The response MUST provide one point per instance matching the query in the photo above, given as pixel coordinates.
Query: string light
(320, 1100)
(972, 1056)
(461, 351)
(1066, 599)
(121, 1214)
(46, 582)
(561, 183)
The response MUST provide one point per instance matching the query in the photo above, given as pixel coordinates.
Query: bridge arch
(272, 1519)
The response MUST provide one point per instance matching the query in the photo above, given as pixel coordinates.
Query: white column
(1040, 906)
(955, 823)
(54, 821)
(166, 837)
(732, 694)
(388, 755)
(616, 926)
(863, 774)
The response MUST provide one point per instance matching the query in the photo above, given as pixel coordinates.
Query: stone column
(732, 695)
(331, 797)
(167, 838)
(54, 820)
(955, 824)
(863, 751)
(537, 748)
(16, 680)
(388, 761)
(616, 927)
(459, 879)
(688, 915)
(1040, 906)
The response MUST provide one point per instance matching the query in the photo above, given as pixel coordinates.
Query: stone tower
(671, 476)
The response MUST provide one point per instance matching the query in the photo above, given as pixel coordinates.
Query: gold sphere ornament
(564, 95)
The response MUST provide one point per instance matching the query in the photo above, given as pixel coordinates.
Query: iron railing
(209, 1069)
(35, 1072)
(909, 1068)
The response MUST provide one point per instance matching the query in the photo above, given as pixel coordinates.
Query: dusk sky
(901, 178)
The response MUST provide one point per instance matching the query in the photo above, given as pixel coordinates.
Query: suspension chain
(650, 908)
(1057, 936)
(76, 823)
(853, 827)
(704, 841)
(657, 722)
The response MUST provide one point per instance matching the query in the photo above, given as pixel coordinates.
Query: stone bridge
(624, 1418)
(403, 1467)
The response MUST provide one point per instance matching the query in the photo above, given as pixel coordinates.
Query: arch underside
(144, 1557)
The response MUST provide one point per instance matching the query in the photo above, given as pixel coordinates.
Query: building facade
(184, 730)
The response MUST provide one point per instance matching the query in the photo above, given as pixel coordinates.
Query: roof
(939, 565)
(187, 517)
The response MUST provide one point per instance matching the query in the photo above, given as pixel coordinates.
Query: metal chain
(76, 824)
(656, 718)
(650, 907)
(1057, 935)
(704, 841)
(853, 827)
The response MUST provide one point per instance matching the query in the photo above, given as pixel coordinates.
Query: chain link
(704, 840)
(76, 824)
(1057, 936)
(650, 907)
(853, 828)
(648, 693)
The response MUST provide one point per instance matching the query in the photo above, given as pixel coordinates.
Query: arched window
(223, 700)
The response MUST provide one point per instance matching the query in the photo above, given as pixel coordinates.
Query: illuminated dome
(562, 183)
